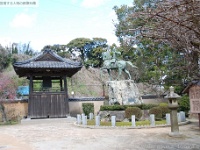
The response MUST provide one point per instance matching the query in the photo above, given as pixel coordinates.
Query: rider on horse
(114, 57)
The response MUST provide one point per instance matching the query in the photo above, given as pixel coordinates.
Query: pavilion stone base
(125, 92)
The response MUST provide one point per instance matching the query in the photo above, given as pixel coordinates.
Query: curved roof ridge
(51, 52)
(41, 54)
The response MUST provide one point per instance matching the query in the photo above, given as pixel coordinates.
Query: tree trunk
(3, 113)
(195, 65)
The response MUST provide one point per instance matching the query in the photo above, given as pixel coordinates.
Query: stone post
(83, 118)
(113, 121)
(152, 120)
(97, 120)
(91, 116)
(182, 113)
(179, 117)
(78, 119)
(168, 119)
(133, 120)
(173, 106)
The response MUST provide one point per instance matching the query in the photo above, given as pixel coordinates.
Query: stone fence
(82, 120)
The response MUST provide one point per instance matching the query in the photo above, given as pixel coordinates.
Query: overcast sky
(58, 21)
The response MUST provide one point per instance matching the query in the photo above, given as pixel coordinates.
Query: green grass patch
(8, 123)
(138, 123)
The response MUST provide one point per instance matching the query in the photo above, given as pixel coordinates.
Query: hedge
(123, 107)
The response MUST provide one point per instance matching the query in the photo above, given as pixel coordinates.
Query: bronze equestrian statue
(112, 63)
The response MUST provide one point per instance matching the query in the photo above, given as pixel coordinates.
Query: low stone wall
(15, 109)
(120, 115)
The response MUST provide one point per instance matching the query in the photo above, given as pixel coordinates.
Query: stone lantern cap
(171, 94)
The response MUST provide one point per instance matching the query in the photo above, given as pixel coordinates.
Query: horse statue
(112, 63)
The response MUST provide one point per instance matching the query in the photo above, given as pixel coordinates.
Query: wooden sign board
(194, 93)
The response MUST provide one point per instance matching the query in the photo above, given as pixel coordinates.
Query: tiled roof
(48, 59)
(47, 64)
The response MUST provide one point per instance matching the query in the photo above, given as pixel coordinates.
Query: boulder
(125, 92)
(106, 115)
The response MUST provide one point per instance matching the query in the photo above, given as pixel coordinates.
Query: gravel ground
(62, 134)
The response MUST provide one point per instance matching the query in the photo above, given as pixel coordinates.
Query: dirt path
(63, 134)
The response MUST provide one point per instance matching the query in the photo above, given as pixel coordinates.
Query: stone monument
(124, 92)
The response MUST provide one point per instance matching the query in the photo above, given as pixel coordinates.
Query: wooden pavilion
(47, 73)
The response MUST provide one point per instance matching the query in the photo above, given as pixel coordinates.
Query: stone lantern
(173, 106)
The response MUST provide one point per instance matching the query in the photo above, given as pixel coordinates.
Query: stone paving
(61, 134)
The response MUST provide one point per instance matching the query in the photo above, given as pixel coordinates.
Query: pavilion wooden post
(199, 119)
(30, 84)
(30, 93)
(66, 94)
(61, 86)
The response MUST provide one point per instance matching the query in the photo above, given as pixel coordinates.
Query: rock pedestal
(125, 92)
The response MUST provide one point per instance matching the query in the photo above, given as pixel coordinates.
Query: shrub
(133, 111)
(164, 110)
(123, 107)
(163, 104)
(148, 106)
(157, 112)
(112, 107)
(88, 108)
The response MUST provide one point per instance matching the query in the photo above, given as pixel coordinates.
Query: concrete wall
(154, 101)
(75, 107)
(18, 109)
(15, 109)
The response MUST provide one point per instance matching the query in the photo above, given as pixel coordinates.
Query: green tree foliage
(176, 24)
(184, 104)
(154, 58)
(5, 58)
(144, 54)
(94, 54)
(78, 45)
(94, 58)
(90, 50)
